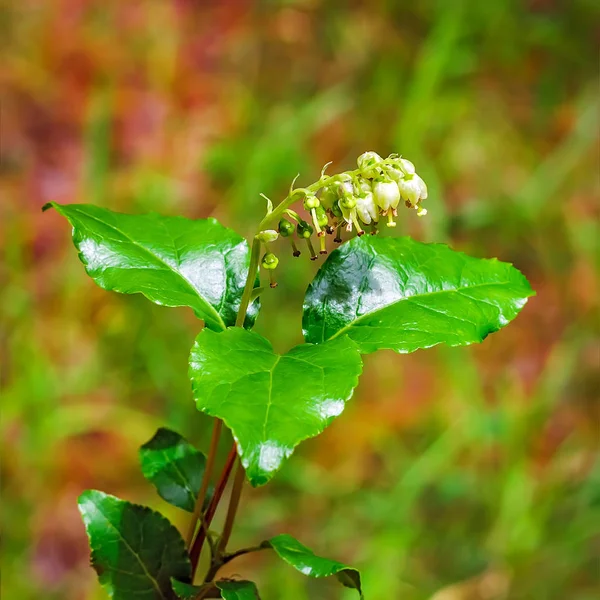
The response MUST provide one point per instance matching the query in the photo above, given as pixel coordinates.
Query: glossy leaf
(404, 295)
(238, 590)
(308, 563)
(172, 261)
(135, 551)
(187, 591)
(174, 466)
(269, 401)
(229, 590)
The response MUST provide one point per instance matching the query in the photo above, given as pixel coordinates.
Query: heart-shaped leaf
(135, 551)
(404, 295)
(172, 261)
(308, 563)
(271, 402)
(174, 466)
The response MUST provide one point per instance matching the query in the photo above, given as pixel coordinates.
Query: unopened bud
(267, 236)
(286, 228)
(304, 230)
(311, 201)
(269, 261)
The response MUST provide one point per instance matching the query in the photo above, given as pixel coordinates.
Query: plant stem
(195, 544)
(234, 501)
(210, 463)
(254, 258)
(196, 549)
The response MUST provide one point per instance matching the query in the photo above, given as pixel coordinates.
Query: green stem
(247, 294)
(197, 542)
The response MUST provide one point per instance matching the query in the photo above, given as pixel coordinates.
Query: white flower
(366, 208)
(368, 163)
(386, 194)
(412, 190)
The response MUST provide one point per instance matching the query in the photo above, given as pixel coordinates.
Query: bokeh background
(454, 474)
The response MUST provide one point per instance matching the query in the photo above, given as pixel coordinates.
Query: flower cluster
(349, 200)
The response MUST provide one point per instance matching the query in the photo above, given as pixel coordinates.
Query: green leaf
(230, 590)
(187, 591)
(404, 295)
(172, 261)
(308, 563)
(269, 401)
(174, 466)
(135, 551)
(238, 590)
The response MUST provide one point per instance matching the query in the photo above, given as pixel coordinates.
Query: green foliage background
(454, 473)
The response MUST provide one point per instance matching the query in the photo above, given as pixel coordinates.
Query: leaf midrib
(414, 296)
(159, 259)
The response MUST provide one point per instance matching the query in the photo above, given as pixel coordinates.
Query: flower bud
(311, 201)
(369, 164)
(286, 228)
(304, 230)
(407, 167)
(267, 236)
(269, 261)
(386, 194)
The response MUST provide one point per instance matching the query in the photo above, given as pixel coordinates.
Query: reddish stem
(212, 508)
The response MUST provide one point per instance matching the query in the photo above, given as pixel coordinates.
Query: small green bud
(311, 201)
(286, 228)
(304, 230)
(269, 261)
(267, 236)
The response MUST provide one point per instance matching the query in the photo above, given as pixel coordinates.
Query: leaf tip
(48, 206)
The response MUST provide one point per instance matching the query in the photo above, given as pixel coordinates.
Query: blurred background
(454, 474)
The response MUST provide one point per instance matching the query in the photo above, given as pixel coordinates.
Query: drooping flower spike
(347, 200)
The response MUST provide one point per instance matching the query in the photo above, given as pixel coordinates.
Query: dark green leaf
(304, 560)
(174, 466)
(187, 591)
(269, 401)
(172, 261)
(135, 551)
(229, 590)
(238, 590)
(404, 295)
